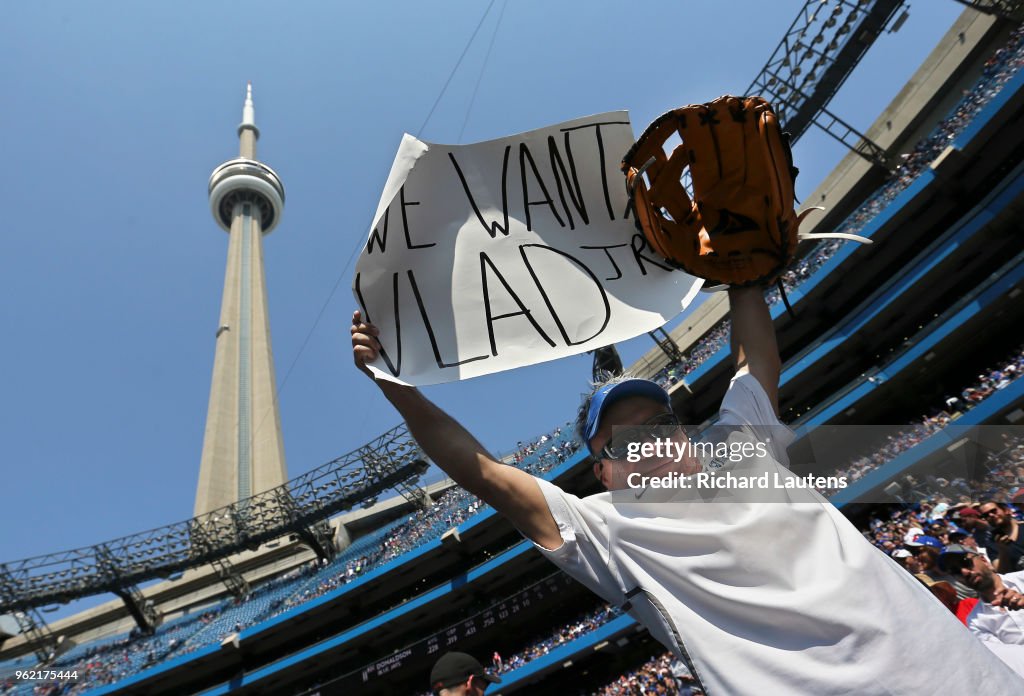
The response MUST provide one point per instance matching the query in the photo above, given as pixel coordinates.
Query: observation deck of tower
(243, 450)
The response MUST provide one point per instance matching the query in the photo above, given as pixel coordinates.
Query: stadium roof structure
(820, 49)
(300, 506)
(1007, 9)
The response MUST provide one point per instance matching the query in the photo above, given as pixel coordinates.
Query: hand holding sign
(509, 252)
(365, 346)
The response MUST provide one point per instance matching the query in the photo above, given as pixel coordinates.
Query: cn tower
(243, 451)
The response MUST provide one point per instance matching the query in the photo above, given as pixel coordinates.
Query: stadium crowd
(662, 674)
(551, 449)
(967, 546)
(998, 70)
(565, 634)
(539, 647)
(988, 382)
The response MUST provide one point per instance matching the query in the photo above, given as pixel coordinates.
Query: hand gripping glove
(739, 228)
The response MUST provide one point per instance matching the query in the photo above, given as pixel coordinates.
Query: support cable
(359, 245)
(483, 69)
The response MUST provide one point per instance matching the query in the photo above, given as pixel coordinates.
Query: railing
(330, 488)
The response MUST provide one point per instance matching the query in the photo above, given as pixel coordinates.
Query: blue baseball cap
(611, 393)
(955, 550)
(925, 540)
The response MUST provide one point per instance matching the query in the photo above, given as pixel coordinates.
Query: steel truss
(142, 610)
(667, 344)
(233, 580)
(415, 495)
(818, 52)
(30, 623)
(300, 506)
(320, 537)
(824, 44)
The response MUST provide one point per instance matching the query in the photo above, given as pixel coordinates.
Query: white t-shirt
(768, 597)
(1002, 630)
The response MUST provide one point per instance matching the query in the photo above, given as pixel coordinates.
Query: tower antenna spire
(248, 113)
(248, 133)
(239, 457)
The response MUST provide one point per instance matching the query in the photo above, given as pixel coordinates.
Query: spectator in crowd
(459, 674)
(1006, 534)
(998, 617)
(926, 550)
(980, 530)
(946, 594)
(906, 560)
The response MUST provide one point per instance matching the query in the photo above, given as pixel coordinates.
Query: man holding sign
(755, 595)
(756, 582)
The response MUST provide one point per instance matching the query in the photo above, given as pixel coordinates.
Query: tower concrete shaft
(243, 451)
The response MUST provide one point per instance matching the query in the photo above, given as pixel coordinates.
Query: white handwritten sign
(510, 252)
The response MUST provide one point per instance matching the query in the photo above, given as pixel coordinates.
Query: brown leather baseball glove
(739, 227)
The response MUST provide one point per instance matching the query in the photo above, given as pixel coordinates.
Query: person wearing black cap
(998, 617)
(784, 595)
(459, 674)
(927, 550)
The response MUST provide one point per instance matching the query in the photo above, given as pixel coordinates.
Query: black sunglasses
(617, 448)
(955, 562)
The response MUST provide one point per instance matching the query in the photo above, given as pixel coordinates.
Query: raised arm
(510, 491)
(754, 347)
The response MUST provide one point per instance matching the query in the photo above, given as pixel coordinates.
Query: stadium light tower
(243, 451)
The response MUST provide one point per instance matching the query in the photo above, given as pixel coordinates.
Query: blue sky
(112, 267)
